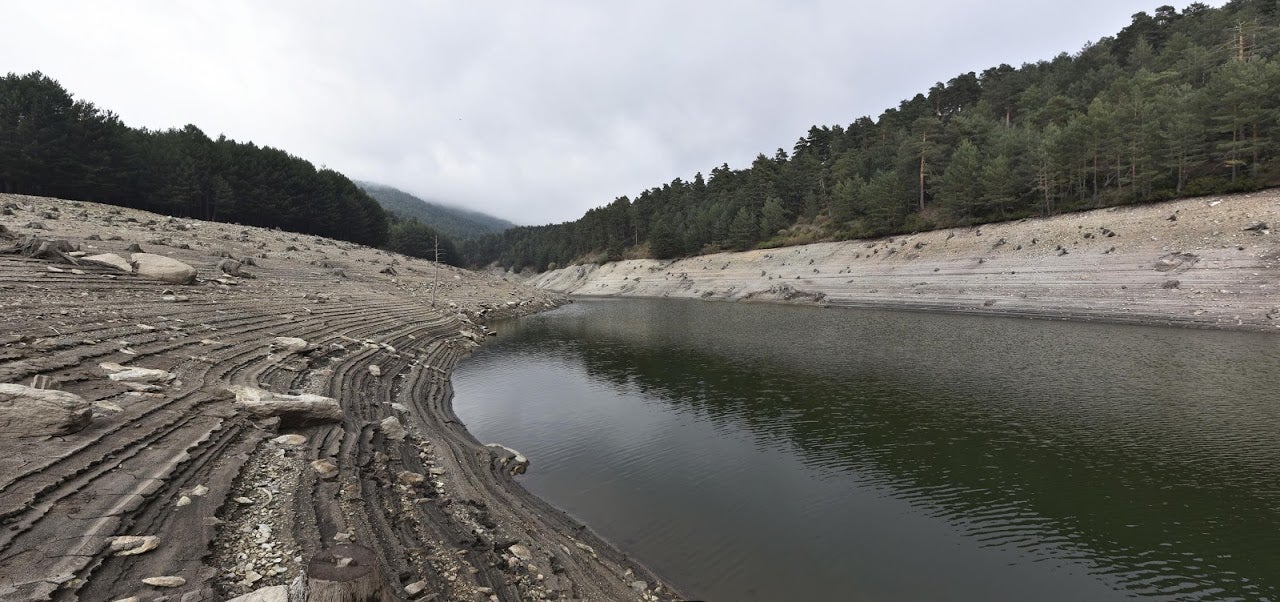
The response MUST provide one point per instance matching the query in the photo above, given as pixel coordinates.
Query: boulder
(132, 545)
(30, 412)
(291, 409)
(325, 468)
(290, 344)
(137, 375)
(392, 428)
(165, 269)
(506, 459)
(110, 260)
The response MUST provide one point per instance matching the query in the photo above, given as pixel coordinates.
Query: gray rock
(505, 458)
(392, 428)
(136, 375)
(290, 344)
(274, 593)
(132, 545)
(165, 581)
(30, 412)
(325, 468)
(299, 409)
(165, 269)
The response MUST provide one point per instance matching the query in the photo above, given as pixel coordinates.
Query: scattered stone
(132, 545)
(291, 344)
(159, 267)
(325, 468)
(520, 551)
(415, 588)
(292, 409)
(232, 267)
(30, 412)
(502, 457)
(391, 427)
(1257, 227)
(165, 581)
(375, 370)
(410, 478)
(137, 375)
(1170, 284)
(290, 439)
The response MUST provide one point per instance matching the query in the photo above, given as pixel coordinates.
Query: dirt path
(1210, 262)
(235, 507)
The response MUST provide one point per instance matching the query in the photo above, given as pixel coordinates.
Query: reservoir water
(765, 452)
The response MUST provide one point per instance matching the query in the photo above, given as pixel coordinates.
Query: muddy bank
(1210, 262)
(281, 421)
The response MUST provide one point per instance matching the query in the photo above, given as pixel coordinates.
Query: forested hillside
(54, 145)
(1178, 103)
(458, 224)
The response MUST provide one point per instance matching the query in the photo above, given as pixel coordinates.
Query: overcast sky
(534, 110)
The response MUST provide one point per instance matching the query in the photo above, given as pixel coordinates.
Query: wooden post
(346, 573)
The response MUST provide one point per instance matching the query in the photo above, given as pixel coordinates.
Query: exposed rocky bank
(1210, 262)
(200, 411)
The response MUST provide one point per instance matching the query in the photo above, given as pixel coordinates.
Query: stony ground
(1210, 262)
(225, 502)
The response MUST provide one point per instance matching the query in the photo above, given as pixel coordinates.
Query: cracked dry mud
(237, 502)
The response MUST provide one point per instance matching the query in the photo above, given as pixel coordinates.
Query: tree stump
(346, 573)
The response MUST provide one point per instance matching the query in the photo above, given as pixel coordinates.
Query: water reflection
(1055, 460)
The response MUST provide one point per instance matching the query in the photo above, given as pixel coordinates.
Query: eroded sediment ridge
(1211, 262)
(395, 497)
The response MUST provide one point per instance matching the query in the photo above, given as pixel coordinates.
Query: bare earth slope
(395, 496)
(1207, 262)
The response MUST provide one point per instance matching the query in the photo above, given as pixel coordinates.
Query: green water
(760, 452)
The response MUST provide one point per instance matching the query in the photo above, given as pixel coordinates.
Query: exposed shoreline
(1201, 269)
(234, 508)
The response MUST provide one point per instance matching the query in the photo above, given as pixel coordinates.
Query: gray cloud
(533, 111)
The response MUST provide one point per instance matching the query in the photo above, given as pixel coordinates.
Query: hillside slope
(152, 479)
(455, 223)
(1206, 262)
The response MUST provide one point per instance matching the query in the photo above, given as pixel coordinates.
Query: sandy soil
(232, 507)
(1191, 262)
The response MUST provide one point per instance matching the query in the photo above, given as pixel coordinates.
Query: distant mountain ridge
(455, 223)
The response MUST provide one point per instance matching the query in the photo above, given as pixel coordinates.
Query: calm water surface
(760, 452)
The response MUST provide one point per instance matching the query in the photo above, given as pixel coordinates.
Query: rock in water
(110, 260)
(232, 267)
(159, 267)
(505, 458)
(294, 409)
(29, 412)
